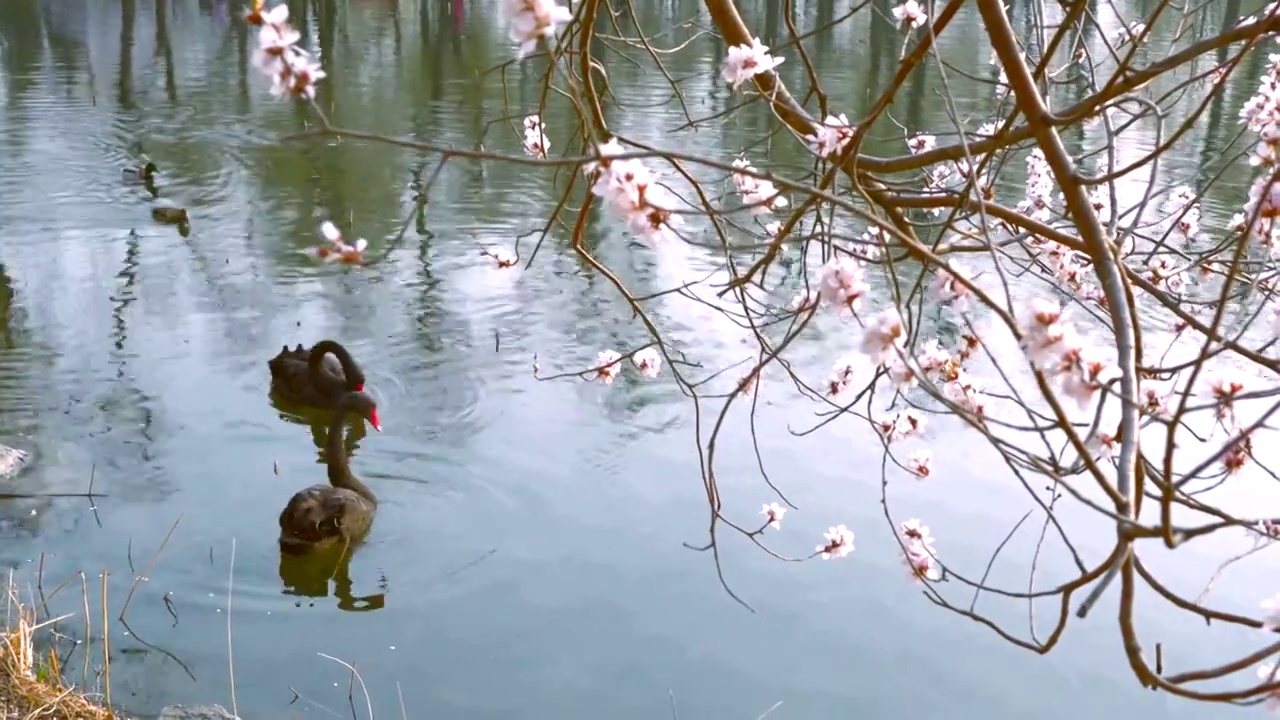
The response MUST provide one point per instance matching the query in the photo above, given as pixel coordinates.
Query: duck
(167, 211)
(316, 378)
(144, 171)
(323, 516)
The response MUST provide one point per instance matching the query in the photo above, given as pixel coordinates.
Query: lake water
(527, 557)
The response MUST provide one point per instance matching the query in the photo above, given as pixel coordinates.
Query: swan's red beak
(373, 420)
(360, 387)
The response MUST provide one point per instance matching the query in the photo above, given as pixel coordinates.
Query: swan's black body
(342, 511)
(318, 377)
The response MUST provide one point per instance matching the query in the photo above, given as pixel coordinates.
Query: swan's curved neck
(336, 457)
(324, 347)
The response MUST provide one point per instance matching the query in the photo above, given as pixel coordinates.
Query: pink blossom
(843, 374)
(884, 335)
(1104, 445)
(901, 375)
(337, 249)
(911, 13)
(1165, 274)
(839, 542)
(805, 300)
(501, 256)
(1155, 403)
(1038, 203)
(840, 282)
(1182, 205)
(1082, 373)
(931, 357)
(948, 289)
(901, 425)
(535, 137)
(648, 361)
(1225, 391)
(292, 71)
(760, 195)
(1238, 453)
(966, 391)
(773, 513)
(920, 463)
(532, 20)
(921, 143)
(917, 544)
(630, 191)
(607, 365)
(744, 62)
(831, 136)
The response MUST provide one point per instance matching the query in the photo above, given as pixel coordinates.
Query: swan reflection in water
(309, 575)
(322, 526)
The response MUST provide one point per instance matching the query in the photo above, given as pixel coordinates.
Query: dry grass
(31, 686)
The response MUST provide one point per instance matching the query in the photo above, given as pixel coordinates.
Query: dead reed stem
(106, 643)
(231, 664)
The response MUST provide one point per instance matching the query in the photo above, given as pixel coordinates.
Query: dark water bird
(143, 171)
(166, 211)
(318, 377)
(342, 511)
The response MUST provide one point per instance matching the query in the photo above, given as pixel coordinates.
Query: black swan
(322, 515)
(312, 377)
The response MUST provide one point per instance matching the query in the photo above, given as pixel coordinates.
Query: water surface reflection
(533, 530)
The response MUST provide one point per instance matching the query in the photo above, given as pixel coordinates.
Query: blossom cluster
(910, 13)
(1225, 391)
(831, 136)
(947, 369)
(842, 283)
(918, 552)
(902, 425)
(609, 363)
(337, 249)
(1261, 114)
(292, 70)
(760, 195)
(871, 244)
(1038, 203)
(1185, 207)
(501, 256)
(882, 347)
(949, 289)
(535, 137)
(947, 175)
(1002, 79)
(1053, 346)
(629, 189)
(632, 192)
(533, 20)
